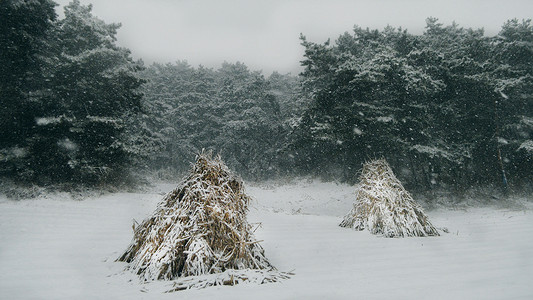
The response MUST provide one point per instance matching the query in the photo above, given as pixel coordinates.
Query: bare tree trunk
(496, 136)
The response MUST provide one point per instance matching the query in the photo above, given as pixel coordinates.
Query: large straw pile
(383, 206)
(199, 228)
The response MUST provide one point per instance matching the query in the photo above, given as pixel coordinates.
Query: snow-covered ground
(57, 248)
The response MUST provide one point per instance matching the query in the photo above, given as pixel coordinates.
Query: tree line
(448, 108)
(233, 111)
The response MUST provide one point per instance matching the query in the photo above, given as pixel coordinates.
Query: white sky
(265, 34)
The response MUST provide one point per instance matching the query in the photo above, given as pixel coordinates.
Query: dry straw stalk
(199, 228)
(383, 206)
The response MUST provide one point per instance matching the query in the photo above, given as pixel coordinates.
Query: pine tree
(367, 95)
(74, 88)
(231, 110)
(25, 29)
(95, 83)
(513, 77)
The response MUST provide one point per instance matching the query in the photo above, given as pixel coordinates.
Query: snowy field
(58, 248)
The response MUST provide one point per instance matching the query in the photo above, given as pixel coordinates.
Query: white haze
(265, 34)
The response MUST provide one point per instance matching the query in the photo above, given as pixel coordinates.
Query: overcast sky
(265, 34)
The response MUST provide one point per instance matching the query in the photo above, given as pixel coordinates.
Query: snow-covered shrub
(383, 206)
(199, 228)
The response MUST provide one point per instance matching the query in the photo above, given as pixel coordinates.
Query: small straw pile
(383, 206)
(199, 228)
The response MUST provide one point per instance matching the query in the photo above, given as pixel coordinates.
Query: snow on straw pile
(200, 228)
(383, 206)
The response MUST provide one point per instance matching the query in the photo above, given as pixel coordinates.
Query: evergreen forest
(449, 109)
